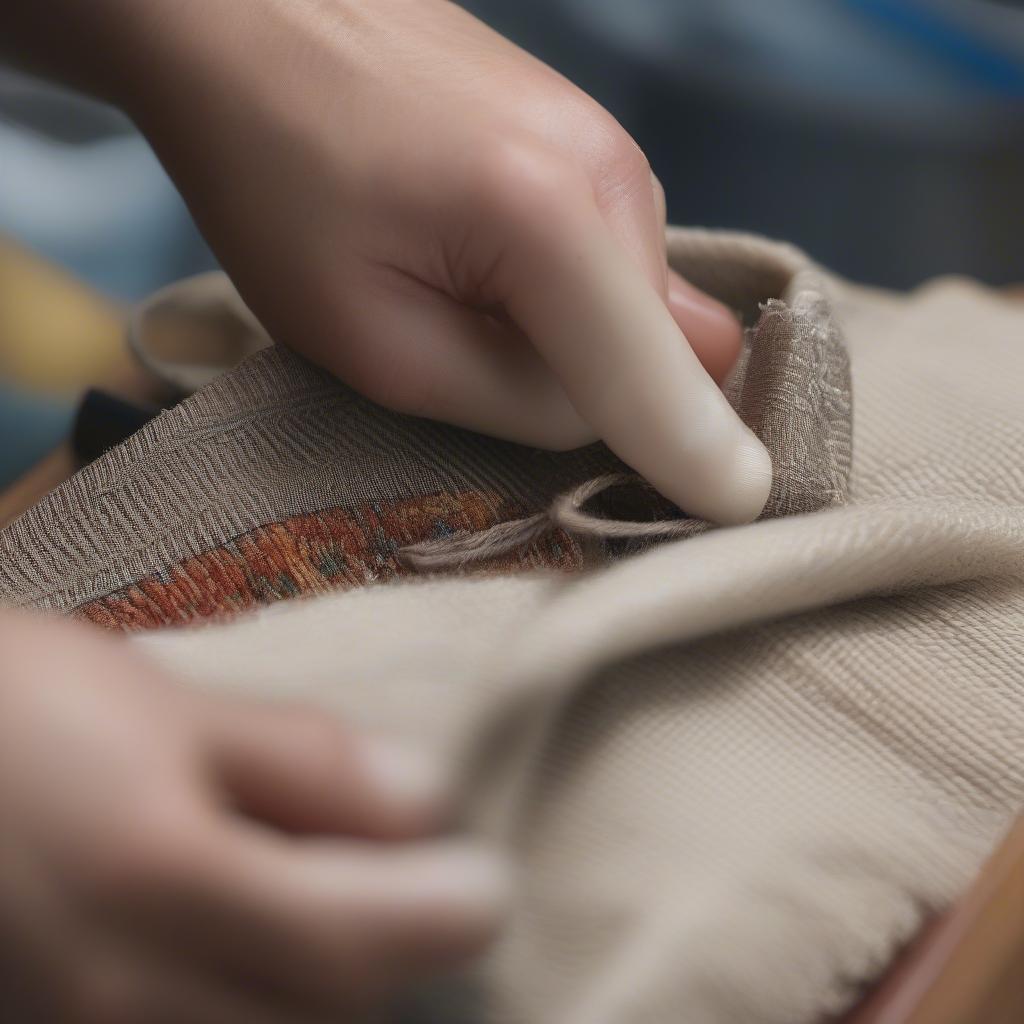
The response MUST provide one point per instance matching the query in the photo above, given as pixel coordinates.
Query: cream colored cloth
(138, 537)
(736, 771)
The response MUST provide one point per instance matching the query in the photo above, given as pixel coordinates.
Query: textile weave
(736, 771)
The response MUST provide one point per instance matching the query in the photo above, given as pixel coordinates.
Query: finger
(414, 349)
(637, 221)
(594, 316)
(714, 333)
(302, 771)
(331, 924)
(635, 214)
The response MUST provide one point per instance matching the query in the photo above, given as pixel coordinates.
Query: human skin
(451, 227)
(167, 856)
(456, 231)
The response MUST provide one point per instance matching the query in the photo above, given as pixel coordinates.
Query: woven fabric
(276, 480)
(736, 770)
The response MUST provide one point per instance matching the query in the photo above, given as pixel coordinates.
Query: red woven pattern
(336, 549)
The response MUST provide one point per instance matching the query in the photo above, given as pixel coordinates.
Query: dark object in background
(103, 422)
(886, 137)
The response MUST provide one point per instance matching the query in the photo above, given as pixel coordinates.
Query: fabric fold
(737, 770)
(275, 480)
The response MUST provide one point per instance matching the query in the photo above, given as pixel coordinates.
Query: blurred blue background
(884, 136)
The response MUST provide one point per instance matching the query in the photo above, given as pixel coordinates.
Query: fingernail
(403, 772)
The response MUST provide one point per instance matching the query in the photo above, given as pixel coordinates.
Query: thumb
(603, 328)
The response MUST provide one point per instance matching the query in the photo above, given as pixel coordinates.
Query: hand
(171, 857)
(449, 226)
(441, 220)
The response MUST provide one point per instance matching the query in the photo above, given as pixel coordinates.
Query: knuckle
(523, 181)
(626, 153)
(633, 160)
(623, 167)
(615, 151)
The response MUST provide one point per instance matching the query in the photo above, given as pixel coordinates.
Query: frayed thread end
(567, 512)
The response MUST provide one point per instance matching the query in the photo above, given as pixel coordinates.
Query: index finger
(626, 366)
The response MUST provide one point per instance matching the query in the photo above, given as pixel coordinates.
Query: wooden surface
(966, 968)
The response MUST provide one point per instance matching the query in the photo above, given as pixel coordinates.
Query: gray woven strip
(277, 437)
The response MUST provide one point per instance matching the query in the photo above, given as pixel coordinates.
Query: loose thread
(465, 548)
(567, 512)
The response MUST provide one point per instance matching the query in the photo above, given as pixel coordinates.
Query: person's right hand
(431, 214)
(172, 857)
(449, 226)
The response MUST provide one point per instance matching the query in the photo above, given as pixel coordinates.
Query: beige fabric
(277, 438)
(737, 770)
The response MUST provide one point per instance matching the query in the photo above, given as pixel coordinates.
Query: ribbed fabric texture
(276, 480)
(736, 770)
